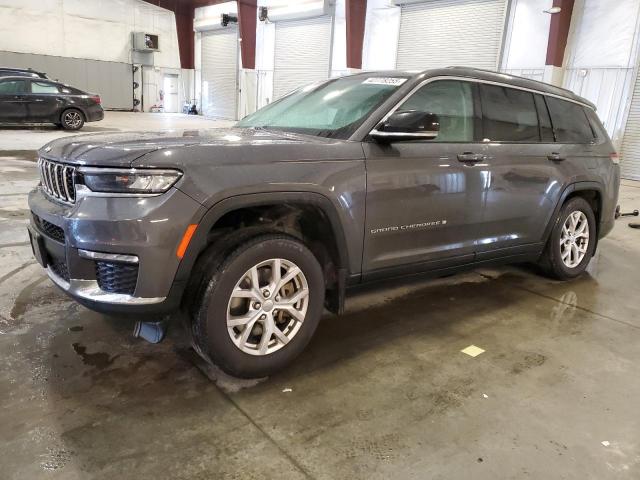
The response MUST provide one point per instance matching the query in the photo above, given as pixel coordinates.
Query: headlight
(112, 180)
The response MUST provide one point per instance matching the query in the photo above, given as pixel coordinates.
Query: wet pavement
(381, 392)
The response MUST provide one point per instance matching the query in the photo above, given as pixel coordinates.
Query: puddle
(100, 360)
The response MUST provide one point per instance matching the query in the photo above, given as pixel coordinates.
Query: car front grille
(58, 180)
(49, 229)
(115, 277)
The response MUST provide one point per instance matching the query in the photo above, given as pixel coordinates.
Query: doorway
(170, 87)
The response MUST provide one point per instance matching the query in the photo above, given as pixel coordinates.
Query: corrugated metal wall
(630, 152)
(113, 81)
(442, 33)
(302, 53)
(220, 73)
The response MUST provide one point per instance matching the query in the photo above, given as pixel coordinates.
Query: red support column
(559, 32)
(356, 13)
(186, 41)
(247, 18)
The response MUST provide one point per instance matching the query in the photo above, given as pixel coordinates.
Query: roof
(25, 70)
(516, 81)
(489, 76)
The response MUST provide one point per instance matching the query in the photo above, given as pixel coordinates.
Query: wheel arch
(591, 191)
(221, 215)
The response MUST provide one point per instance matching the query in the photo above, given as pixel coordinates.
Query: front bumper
(87, 246)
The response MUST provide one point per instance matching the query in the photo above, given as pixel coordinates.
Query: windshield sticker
(392, 81)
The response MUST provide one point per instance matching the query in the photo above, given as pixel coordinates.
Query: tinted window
(509, 115)
(41, 87)
(12, 87)
(570, 123)
(546, 130)
(452, 101)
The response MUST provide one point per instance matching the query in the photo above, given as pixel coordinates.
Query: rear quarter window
(508, 114)
(570, 122)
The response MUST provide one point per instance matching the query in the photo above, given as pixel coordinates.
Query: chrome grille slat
(56, 183)
(58, 180)
(66, 185)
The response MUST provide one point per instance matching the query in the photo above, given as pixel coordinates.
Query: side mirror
(407, 125)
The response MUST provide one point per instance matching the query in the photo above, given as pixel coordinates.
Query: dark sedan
(37, 100)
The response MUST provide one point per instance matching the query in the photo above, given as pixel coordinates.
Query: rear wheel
(572, 240)
(72, 119)
(260, 307)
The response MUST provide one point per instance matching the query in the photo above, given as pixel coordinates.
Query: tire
(555, 260)
(72, 119)
(245, 353)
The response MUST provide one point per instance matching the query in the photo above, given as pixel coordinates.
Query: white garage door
(441, 33)
(630, 161)
(302, 55)
(220, 72)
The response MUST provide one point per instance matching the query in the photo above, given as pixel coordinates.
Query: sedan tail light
(96, 98)
(615, 158)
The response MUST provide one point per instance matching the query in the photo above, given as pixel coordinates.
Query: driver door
(424, 197)
(13, 100)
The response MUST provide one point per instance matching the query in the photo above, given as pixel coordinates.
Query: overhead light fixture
(553, 10)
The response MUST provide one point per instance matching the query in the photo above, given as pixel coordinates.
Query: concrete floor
(382, 392)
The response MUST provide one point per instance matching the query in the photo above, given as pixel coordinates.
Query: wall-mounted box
(145, 42)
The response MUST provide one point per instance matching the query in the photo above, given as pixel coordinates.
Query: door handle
(555, 157)
(470, 157)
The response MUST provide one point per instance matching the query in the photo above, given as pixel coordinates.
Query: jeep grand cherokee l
(256, 228)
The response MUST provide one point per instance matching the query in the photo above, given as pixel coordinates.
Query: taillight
(96, 98)
(615, 158)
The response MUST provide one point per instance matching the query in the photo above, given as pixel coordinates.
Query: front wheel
(260, 307)
(72, 119)
(572, 241)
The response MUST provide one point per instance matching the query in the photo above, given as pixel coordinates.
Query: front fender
(350, 249)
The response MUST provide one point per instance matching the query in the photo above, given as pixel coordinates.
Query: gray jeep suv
(256, 228)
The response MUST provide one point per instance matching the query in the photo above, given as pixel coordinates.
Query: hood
(122, 149)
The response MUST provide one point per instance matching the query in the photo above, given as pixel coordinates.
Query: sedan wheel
(72, 120)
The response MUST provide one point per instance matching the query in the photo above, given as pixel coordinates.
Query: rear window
(509, 115)
(43, 87)
(570, 123)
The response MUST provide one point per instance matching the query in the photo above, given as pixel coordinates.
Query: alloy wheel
(72, 119)
(574, 239)
(267, 306)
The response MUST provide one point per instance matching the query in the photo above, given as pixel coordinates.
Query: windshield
(332, 109)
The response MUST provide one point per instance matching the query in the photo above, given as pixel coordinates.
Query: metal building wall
(113, 81)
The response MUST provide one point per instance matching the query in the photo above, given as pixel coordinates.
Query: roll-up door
(220, 72)
(302, 54)
(630, 152)
(441, 33)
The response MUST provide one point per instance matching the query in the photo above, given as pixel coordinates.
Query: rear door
(13, 100)
(522, 184)
(45, 101)
(423, 198)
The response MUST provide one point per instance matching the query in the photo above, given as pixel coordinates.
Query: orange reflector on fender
(186, 238)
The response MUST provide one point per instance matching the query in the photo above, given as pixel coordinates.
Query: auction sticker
(392, 81)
